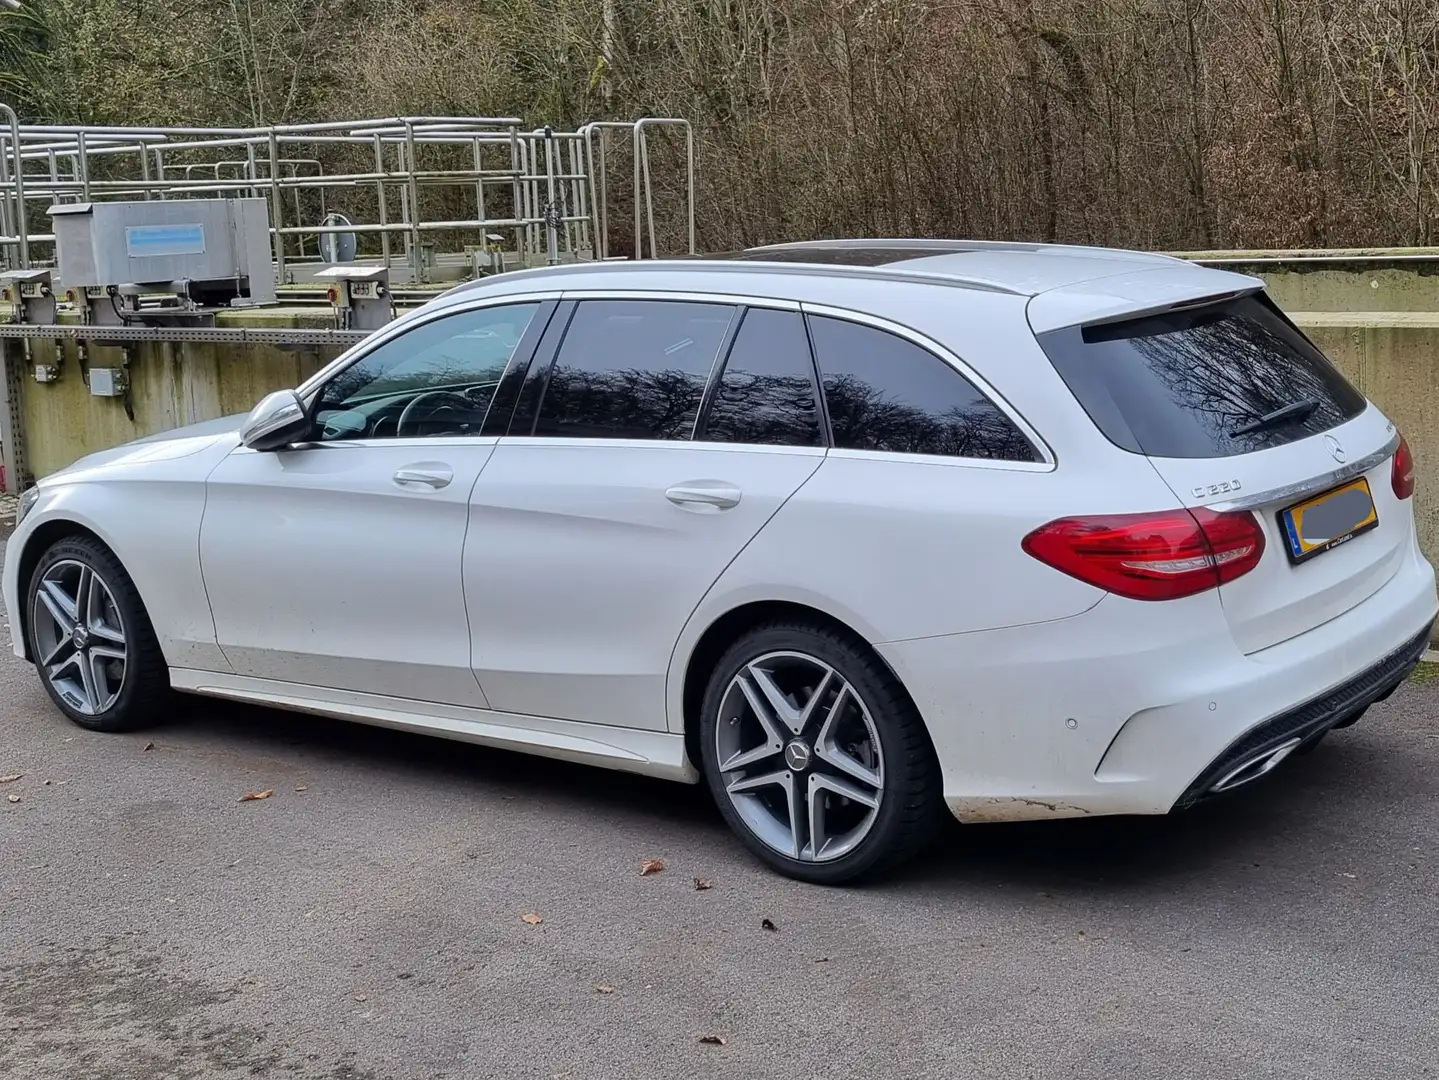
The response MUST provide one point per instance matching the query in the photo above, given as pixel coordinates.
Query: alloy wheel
(800, 756)
(79, 637)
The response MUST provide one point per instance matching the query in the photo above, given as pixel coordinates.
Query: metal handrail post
(83, 161)
(642, 164)
(277, 208)
(145, 170)
(380, 196)
(5, 211)
(479, 185)
(412, 164)
(516, 211)
(22, 228)
(252, 169)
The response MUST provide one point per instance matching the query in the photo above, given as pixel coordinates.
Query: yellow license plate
(1326, 521)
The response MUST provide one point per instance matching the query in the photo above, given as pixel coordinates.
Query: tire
(890, 745)
(120, 694)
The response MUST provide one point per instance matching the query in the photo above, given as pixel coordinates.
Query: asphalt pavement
(367, 920)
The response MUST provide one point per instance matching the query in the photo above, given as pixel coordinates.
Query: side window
(766, 394)
(886, 393)
(437, 379)
(632, 369)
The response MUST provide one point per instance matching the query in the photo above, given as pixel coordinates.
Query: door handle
(430, 476)
(704, 495)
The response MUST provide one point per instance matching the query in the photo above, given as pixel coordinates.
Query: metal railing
(437, 188)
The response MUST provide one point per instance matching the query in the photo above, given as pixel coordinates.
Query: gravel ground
(366, 921)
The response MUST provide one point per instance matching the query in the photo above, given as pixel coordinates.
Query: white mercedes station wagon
(855, 533)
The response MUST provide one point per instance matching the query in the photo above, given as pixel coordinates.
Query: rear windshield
(1207, 382)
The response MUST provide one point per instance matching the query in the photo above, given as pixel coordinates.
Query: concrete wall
(1391, 357)
(170, 385)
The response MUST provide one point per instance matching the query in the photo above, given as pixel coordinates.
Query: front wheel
(91, 639)
(816, 755)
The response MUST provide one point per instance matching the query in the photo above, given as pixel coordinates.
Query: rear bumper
(1248, 755)
(1134, 708)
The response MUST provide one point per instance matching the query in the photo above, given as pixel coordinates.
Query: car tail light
(1402, 476)
(1161, 556)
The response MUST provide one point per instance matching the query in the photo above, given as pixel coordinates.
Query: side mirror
(276, 422)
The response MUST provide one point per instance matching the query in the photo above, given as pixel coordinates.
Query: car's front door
(336, 563)
(601, 521)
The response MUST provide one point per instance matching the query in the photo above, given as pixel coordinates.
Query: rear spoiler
(1134, 296)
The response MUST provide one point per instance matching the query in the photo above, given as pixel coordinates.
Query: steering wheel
(454, 399)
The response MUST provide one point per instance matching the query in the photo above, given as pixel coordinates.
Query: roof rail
(959, 246)
(892, 272)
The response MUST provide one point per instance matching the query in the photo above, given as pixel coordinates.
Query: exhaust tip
(1252, 768)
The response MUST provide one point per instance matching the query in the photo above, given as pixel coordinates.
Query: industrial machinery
(29, 295)
(359, 295)
(195, 255)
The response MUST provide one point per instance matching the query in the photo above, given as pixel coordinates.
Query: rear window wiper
(1295, 410)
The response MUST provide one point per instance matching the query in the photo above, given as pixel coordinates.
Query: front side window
(884, 392)
(766, 393)
(437, 379)
(632, 369)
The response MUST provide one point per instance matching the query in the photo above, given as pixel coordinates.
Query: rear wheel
(91, 638)
(818, 759)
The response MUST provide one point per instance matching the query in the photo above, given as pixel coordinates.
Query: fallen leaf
(301, 787)
(532, 918)
(651, 866)
(713, 1040)
(149, 746)
(252, 796)
(11, 778)
(769, 925)
(604, 988)
(703, 883)
(13, 798)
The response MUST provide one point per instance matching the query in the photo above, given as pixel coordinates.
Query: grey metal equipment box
(216, 252)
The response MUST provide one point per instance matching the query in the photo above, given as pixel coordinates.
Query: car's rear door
(601, 521)
(1236, 409)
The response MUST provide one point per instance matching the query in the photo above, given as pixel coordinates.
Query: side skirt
(650, 753)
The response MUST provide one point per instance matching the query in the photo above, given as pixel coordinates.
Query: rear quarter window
(888, 394)
(1208, 382)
